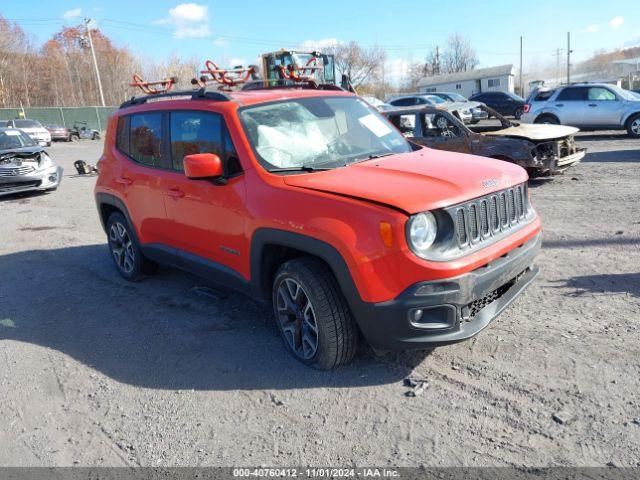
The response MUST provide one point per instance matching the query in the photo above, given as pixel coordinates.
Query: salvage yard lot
(98, 371)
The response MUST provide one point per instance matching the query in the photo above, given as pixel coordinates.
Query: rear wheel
(548, 119)
(312, 314)
(518, 113)
(124, 249)
(633, 126)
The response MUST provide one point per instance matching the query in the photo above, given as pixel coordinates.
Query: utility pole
(521, 88)
(557, 55)
(87, 21)
(569, 51)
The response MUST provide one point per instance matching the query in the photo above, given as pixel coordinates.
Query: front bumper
(569, 160)
(37, 181)
(479, 115)
(453, 309)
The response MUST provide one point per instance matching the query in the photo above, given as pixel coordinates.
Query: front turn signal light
(386, 233)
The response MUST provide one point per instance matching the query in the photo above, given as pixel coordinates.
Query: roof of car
(252, 96)
(413, 109)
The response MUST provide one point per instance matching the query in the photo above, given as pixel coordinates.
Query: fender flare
(108, 199)
(263, 237)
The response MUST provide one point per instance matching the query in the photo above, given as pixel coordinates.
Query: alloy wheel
(121, 247)
(297, 318)
(635, 126)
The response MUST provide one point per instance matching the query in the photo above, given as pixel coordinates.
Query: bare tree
(458, 55)
(359, 64)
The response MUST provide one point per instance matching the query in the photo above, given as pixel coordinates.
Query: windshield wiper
(371, 157)
(303, 168)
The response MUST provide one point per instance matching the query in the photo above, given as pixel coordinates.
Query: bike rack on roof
(226, 78)
(150, 88)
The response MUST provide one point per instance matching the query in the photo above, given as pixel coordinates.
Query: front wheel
(633, 126)
(124, 249)
(312, 314)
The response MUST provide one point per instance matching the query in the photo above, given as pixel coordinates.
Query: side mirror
(202, 165)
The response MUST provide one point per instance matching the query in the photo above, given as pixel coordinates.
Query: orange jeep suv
(308, 199)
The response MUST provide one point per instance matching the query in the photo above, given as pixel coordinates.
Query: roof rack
(201, 94)
(267, 84)
(150, 88)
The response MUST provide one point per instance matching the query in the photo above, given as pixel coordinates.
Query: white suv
(589, 106)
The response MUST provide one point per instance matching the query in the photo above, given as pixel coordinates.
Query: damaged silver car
(24, 165)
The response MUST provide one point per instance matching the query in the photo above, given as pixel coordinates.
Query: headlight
(421, 232)
(45, 161)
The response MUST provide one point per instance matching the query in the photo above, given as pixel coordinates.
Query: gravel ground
(97, 371)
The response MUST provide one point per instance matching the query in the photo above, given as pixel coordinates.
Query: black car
(504, 103)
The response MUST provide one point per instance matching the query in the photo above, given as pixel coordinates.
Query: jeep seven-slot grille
(481, 218)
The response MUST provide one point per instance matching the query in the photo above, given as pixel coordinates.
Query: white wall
(468, 87)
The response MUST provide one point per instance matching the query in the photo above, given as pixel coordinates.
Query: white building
(493, 79)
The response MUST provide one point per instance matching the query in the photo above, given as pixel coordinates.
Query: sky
(236, 32)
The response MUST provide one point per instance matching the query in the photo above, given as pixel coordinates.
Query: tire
(633, 126)
(306, 294)
(518, 113)
(127, 257)
(548, 119)
(74, 138)
(69, 139)
(48, 144)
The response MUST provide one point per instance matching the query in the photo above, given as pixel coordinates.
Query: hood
(19, 152)
(451, 106)
(413, 182)
(535, 131)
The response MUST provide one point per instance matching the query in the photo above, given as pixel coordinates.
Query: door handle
(593, 105)
(559, 104)
(124, 181)
(175, 193)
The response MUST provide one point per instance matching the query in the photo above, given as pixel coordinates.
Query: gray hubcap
(635, 126)
(297, 318)
(121, 247)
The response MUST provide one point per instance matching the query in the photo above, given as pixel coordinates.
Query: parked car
(377, 103)
(24, 165)
(59, 132)
(33, 128)
(461, 110)
(505, 103)
(309, 200)
(540, 149)
(4, 123)
(80, 130)
(589, 106)
(477, 113)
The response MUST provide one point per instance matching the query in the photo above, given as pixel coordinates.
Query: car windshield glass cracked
(313, 132)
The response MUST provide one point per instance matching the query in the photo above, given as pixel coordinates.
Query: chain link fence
(96, 117)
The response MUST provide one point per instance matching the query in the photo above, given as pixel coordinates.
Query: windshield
(626, 94)
(319, 133)
(515, 97)
(15, 139)
(26, 124)
(456, 97)
(435, 99)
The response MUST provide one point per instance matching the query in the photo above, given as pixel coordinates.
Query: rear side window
(146, 138)
(572, 94)
(194, 132)
(122, 139)
(403, 102)
(544, 95)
